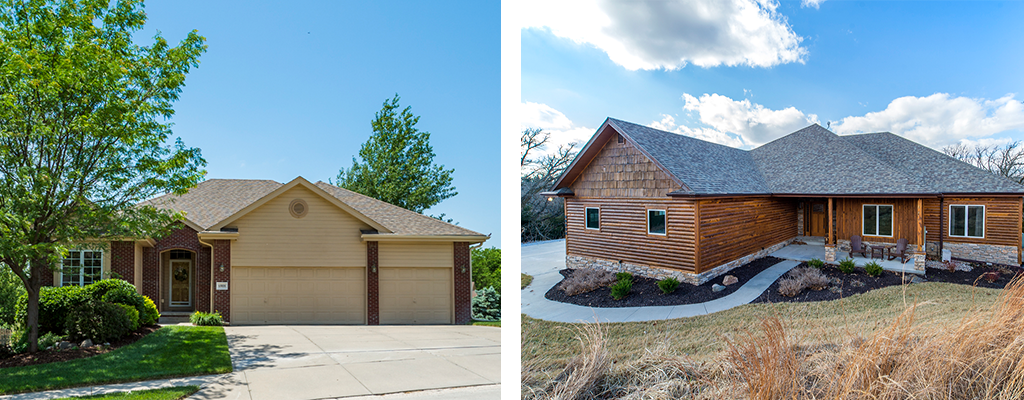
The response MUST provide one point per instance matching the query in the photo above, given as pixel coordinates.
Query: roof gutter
(218, 235)
(423, 238)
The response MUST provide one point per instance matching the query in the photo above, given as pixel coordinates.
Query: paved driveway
(316, 362)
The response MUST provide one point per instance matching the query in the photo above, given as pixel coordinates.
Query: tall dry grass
(767, 364)
(580, 377)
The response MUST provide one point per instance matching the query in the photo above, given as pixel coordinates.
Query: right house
(662, 204)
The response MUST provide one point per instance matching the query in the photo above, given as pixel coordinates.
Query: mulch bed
(645, 291)
(846, 285)
(49, 356)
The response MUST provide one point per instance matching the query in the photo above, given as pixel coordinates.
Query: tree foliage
(1004, 160)
(396, 164)
(541, 219)
(486, 268)
(83, 130)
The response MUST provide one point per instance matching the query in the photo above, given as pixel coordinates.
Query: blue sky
(743, 73)
(289, 89)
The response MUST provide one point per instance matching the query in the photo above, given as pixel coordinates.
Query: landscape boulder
(729, 280)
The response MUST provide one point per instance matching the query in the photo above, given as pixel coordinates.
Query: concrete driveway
(401, 362)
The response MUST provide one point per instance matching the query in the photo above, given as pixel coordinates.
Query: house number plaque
(222, 286)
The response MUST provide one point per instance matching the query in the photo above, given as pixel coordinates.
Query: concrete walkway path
(544, 260)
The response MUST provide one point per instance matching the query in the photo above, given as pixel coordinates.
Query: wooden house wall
(623, 232)
(620, 170)
(1002, 220)
(850, 219)
(733, 228)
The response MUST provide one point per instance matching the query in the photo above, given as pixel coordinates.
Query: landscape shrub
(133, 316)
(49, 339)
(802, 278)
(621, 288)
(847, 266)
(790, 287)
(487, 305)
(585, 280)
(98, 321)
(11, 288)
(816, 263)
(623, 275)
(873, 269)
(200, 318)
(668, 285)
(55, 303)
(120, 292)
(152, 315)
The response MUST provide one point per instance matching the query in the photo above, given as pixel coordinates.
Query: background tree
(81, 137)
(486, 268)
(397, 163)
(1006, 160)
(541, 219)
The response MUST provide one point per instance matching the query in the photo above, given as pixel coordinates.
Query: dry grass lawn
(689, 357)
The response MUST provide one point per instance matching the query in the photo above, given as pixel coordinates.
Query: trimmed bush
(790, 287)
(873, 269)
(200, 318)
(621, 288)
(11, 288)
(668, 285)
(133, 315)
(585, 280)
(623, 275)
(487, 305)
(121, 292)
(98, 321)
(152, 315)
(816, 263)
(847, 266)
(55, 303)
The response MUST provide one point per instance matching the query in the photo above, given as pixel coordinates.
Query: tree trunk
(35, 282)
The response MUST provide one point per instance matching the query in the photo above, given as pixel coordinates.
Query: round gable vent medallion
(298, 208)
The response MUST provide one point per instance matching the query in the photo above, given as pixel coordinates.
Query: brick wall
(181, 237)
(151, 275)
(463, 279)
(222, 298)
(122, 260)
(372, 285)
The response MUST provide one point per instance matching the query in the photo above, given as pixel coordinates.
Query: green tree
(397, 163)
(84, 131)
(486, 268)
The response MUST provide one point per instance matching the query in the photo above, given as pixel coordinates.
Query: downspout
(211, 269)
(941, 209)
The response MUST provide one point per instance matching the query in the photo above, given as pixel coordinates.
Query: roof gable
(397, 220)
(214, 200)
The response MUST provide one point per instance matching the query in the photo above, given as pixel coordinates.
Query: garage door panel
(298, 295)
(415, 295)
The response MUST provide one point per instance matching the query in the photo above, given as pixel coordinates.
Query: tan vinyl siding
(440, 255)
(326, 236)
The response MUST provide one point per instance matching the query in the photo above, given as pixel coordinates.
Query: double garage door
(309, 295)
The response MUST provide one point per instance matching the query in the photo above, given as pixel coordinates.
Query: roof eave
(377, 237)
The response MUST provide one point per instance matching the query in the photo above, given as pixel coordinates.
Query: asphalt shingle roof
(397, 219)
(813, 161)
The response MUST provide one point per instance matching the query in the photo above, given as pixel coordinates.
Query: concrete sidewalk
(543, 261)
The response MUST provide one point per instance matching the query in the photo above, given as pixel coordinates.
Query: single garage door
(415, 295)
(298, 295)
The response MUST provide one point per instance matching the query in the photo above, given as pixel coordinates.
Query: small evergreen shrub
(816, 263)
(120, 292)
(97, 320)
(873, 269)
(623, 275)
(133, 316)
(847, 266)
(200, 318)
(621, 288)
(668, 285)
(487, 305)
(152, 315)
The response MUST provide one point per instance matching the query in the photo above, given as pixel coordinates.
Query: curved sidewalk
(543, 261)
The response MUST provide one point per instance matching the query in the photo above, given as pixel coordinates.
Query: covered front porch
(814, 247)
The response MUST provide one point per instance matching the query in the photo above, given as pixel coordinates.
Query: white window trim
(649, 222)
(60, 276)
(984, 217)
(892, 229)
(586, 214)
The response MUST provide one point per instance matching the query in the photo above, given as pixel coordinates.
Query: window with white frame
(81, 267)
(966, 220)
(656, 222)
(593, 218)
(877, 220)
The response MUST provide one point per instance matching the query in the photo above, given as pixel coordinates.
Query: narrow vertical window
(656, 222)
(593, 218)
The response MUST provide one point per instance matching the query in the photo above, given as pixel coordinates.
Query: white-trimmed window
(656, 222)
(81, 267)
(877, 220)
(593, 218)
(967, 220)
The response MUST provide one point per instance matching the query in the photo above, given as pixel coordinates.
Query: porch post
(919, 255)
(830, 247)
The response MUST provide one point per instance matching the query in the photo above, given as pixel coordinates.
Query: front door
(181, 283)
(818, 219)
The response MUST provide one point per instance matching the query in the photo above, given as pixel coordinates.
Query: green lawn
(169, 393)
(172, 351)
(487, 323)
(525, 280)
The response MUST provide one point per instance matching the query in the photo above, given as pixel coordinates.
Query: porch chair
(899, 250)
(857, 247)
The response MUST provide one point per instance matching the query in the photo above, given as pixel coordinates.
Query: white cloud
(563, 131)
(940, 119)
(671, 34)
(668, 123)
(755, 123)
(811, 3)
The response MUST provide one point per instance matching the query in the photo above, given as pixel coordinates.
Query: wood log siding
(620, 170)
(1002, 220)
(623, 232)
(733, 228)
(850, 219)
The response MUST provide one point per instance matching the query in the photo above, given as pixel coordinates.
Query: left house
(262, 252)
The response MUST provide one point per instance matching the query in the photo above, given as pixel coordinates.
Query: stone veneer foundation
(982, 252)
(577, 262)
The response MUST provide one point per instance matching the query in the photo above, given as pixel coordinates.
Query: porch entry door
(181, 283)
(818, 219)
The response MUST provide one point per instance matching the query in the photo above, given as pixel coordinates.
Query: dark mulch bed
(49, 356)
(846, 285)
(645, 291)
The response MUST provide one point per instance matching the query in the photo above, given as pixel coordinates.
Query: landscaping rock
(717, 288)
(729, 280)
(87, 343)
(918, 279)
(62, 345)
